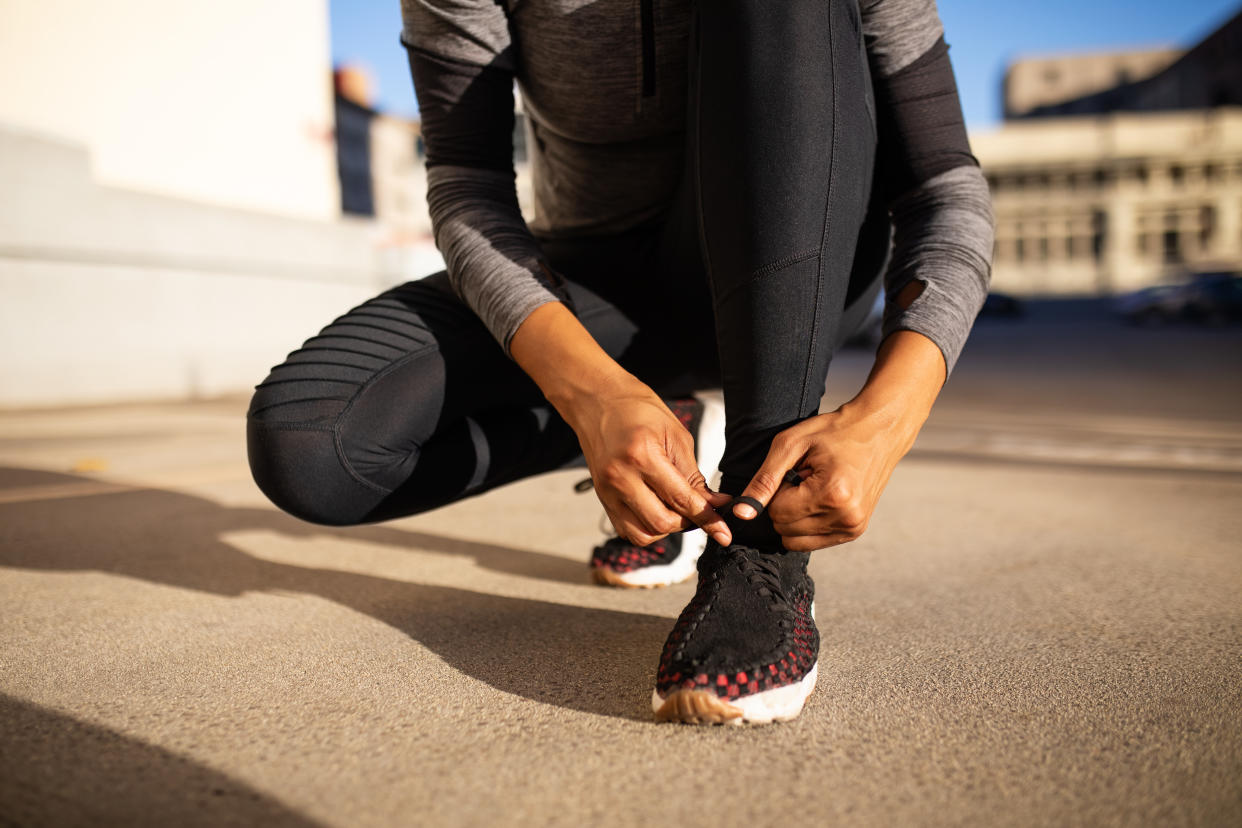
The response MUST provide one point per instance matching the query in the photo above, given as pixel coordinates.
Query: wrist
(903, 385)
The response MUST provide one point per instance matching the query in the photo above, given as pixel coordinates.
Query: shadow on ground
(55, 770)
(589, 660)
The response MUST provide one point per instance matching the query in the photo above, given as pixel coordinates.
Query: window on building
(1207, 226)
(1172, 247)
(1099, 227)
(1019, 249)
(1043, 248)
(1177, 174)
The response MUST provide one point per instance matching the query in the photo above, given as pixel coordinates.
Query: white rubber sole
(679, 569)
(780, 704)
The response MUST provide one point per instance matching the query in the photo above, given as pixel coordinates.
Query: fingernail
(744, 511)
(722, 538)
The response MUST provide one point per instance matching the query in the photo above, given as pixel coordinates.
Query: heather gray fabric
(943, 238)
(492, 259)
(897, 32)
(606, 145)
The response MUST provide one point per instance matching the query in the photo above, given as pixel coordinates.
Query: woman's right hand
(640, 456)
(642, 462)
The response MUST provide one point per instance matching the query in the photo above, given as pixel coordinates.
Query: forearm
(494, 263)
(907, 376)
(565, 361)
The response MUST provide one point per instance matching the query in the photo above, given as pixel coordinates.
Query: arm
(641, 458)
(463, 64)
(936, 283)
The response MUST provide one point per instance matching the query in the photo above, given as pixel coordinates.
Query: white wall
(227, 101)
(108, 294)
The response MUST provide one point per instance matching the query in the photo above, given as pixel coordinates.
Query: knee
(299, 470)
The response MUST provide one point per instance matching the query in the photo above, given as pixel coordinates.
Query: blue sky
(984, 36)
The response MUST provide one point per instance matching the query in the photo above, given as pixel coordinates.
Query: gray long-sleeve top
(608, 144)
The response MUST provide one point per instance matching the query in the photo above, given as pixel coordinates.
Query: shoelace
(763, 573)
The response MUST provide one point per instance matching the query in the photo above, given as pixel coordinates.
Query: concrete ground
(1042, 627)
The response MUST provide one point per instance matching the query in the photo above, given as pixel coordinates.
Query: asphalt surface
(1042, 627)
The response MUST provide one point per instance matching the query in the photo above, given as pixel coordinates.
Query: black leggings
(407, 403)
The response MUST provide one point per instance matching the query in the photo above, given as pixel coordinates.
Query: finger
(676, 493)
(791, 503)
(688, 468)
(786, 452)
(819, 520)
(699, 484)
(826, 502)
(629, 526)
(652, 513)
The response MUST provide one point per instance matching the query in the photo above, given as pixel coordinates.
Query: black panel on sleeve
(919, 117)
(466, 111)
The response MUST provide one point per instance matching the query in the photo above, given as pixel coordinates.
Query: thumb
(785, 453)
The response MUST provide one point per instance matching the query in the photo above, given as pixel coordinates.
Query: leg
(781, 154)
(780, 161)
(404, 404)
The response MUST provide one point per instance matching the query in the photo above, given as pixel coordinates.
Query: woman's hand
(640, 456)
(642, 462)
(845, 457)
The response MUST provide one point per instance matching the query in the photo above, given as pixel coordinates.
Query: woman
(715, 188)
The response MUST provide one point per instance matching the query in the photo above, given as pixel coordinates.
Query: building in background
(1117, 171)
(380, 161)
(172, 220)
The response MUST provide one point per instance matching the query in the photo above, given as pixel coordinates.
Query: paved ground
(1043, 626)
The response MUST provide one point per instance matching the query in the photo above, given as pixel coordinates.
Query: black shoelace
(763, 573)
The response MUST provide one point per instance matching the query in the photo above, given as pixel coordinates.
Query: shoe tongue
(757, 533)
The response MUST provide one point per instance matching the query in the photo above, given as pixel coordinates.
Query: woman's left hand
(845, 457)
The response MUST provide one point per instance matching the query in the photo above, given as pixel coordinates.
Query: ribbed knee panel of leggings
(363, 422)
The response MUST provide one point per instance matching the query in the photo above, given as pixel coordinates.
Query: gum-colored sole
(697, 707)
(780, 704)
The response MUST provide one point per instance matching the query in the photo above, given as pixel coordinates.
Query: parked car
(1209, 297)
(1214, 299)
(1157, 305)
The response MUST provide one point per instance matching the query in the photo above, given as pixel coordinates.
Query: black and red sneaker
(617, 562)
(669, 561)
(745, 649)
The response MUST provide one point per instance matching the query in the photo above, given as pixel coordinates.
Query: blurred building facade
(172, 219)
(380, 160)
(1117, 171)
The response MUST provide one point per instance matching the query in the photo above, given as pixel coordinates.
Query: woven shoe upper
(748, 627)
(620, 555)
